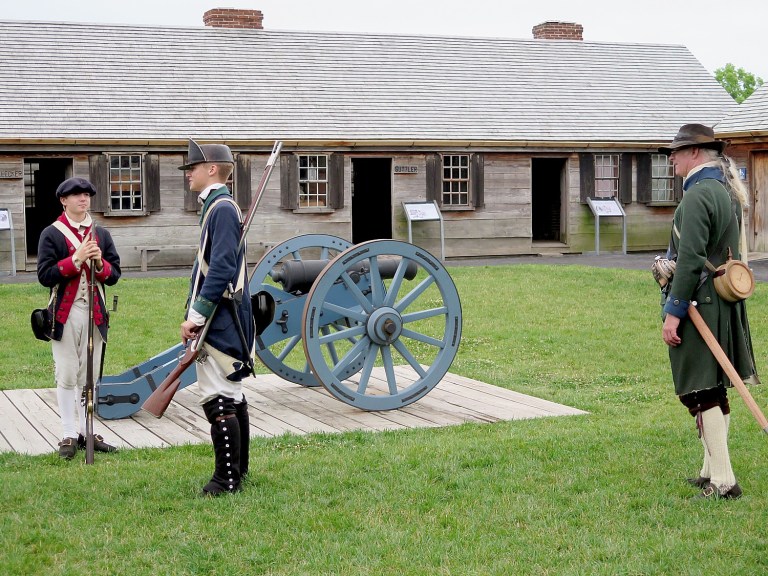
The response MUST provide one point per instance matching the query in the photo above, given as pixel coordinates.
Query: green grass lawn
(597, 494)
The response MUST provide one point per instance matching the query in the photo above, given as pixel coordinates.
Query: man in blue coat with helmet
(219, 294)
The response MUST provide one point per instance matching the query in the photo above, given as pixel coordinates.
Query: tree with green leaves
(738, 82)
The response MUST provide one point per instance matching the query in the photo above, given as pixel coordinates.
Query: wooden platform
(29, 420)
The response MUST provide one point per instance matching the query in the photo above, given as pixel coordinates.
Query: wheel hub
(384, 325)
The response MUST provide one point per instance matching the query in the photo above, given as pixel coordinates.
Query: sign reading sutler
(11, 170)
(400, 169)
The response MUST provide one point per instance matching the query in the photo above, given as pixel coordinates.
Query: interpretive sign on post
(608, 207)
(424, 212)
(6, 223)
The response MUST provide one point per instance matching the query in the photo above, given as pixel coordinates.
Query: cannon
(327, 313)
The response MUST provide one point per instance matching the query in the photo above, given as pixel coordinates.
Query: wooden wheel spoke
(350, 356)
(405, 353)
(422, 338)
(356, 292)
(365, 375)
(394, 286)
(424, 314)
(389, 370)
(409, 298)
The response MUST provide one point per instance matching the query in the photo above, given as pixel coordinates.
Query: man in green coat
(706, 227)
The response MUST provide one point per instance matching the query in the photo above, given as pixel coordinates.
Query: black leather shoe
(699, 482)
(67, 448)
(98, 443)
(711, 491)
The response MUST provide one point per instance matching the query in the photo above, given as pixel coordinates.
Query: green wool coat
(702, 219)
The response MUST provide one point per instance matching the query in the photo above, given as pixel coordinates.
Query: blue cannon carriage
(327, 314)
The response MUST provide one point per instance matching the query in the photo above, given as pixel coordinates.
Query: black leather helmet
(199, 153)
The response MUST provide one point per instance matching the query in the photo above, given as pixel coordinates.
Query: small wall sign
(406, 169)
(5, 219)
(11, 171)
(606, 207)
(418, 211)
(743, 173)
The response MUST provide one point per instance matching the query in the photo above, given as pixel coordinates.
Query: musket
(89, 386)
(726, 365)
(157, 402)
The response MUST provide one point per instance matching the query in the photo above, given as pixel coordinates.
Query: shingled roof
(85, 83)
(749, 119)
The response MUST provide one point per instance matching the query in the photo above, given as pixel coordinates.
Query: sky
(716, 32)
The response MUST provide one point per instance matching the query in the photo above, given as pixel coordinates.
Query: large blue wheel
(393, 322)
(278, 345)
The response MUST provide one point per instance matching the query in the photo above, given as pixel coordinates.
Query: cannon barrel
(297, 276)
(346, 320)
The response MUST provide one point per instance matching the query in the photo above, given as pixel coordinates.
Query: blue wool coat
(219, 239)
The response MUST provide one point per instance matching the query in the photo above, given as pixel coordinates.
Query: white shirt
(81, 227)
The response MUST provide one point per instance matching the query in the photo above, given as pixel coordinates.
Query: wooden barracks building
(746, 130)
(509, 136)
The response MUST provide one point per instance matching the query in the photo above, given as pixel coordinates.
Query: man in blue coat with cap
(219, 294)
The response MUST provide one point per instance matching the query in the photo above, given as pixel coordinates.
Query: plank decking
(29, 420)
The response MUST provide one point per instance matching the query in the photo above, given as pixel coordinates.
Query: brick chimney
(233, 18)
(558, 31)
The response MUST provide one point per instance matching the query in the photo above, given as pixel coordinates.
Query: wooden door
(758, 239)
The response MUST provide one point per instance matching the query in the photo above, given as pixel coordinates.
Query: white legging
(70, 367)
(212, 380)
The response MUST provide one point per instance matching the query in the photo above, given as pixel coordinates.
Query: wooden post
(726, 365)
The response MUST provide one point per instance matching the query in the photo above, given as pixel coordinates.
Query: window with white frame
(455, 180)
(125, 183)
(606, 175)
(313, 180)
(662, 179)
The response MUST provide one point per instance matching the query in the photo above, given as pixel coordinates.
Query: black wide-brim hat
(199, 153)
(694, 136)
(75, 186)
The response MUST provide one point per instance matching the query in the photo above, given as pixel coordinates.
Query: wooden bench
(149, 252)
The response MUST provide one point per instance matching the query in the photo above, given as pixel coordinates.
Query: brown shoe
(699, 482)
(712, 492)
(98, 443)
(67, 448)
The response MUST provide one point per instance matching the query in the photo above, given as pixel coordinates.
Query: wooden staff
(89, 384)
(726, 365)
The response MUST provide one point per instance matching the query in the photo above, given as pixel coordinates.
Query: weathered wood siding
(648, 227)
(273, 224)
(12, 198)
(754, 157)
(501, 227)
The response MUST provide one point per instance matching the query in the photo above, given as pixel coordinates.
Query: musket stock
(157, 402)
